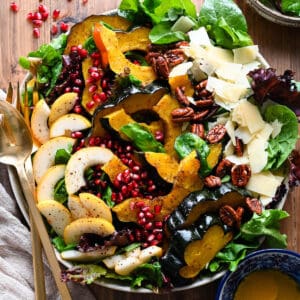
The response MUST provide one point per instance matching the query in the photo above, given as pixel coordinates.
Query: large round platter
(203, 280)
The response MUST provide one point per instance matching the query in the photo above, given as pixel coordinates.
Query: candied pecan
(216, 134)
(175, 56)
(199, 115)
(160, 66)
(212, 181)
(240, 175)
(204, 102)
(239, 147)
(180, 96)
(198, 129)
(229, 216)
(223, 167)
(254, 205)
(201, 85)
(182, 114)
(182, 44)
(204, 93)
(240, 212)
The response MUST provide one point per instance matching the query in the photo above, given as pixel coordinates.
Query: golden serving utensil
(15, 149)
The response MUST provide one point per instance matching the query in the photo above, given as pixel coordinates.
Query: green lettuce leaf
(225, 23)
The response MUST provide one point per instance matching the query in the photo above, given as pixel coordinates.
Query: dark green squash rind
(173, 260)
(205, 201)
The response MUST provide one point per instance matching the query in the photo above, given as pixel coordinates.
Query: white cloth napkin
(16, 273)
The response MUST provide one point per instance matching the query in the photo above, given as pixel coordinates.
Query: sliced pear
(95, 206)
(39, 122)
(96, 255)
(88, 205)
(44, 157)
(61, 106)
(56, 214)
(80, 161)
(45, 188)
(76, 207)
(77, 228)
(69, 123)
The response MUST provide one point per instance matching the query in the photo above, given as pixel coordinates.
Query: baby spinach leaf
(225, 23)
(60, 191)
(142, 138)
(266, 225)
(60, 244)
(62, 156)
(290, 7)
(280, 147)
(162, 34)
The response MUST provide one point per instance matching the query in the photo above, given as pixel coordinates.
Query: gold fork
(15, 150)
(37, 254)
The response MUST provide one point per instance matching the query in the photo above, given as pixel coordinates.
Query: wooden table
(280, 46)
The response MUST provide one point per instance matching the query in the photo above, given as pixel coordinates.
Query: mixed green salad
(165, 144)
(288, 7)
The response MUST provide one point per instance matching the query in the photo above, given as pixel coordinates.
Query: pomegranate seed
(92, 88)
(145, 245)
(68, 89)
(96, 62)
(124, 190)
(30, 16)
(151, 188)
(157, 209)
(158, 224)
(142, 221)
(83, 53)
(36, 32)
(140, 204)
(159, 236)
(144, 175)
(45, 16)
(95, 75)
(145, 209)
(14, 7)
(149, 215)
(159, 136)
(78, 82)
(149, 226)
(55, 14)
(95, 55)
(104, 84)
(76, 89)
(42, 8)
(141, 215)
(154, 242)
(64, 27)
(134, 193)
(37, 16)
(90, 104)
(37, 23)
(77, 134)
(77, 109)
(151, 237)
(54, 29)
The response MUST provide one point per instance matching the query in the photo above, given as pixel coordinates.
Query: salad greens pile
(224, 20)
(289, 7)
(227, 27)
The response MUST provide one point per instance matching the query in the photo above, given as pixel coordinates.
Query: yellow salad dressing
(268, 285)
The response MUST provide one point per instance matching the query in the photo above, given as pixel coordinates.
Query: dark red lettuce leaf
(281, 89)
(294, 176)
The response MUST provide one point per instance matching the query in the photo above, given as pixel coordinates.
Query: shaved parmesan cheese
(229, 71)
(238, 160)
(195, 51)
(264, 183)
(229, 149)
(265, 200)
(250, 66)
(244, 134)
(230, 131)
(181, 69)
(219, 55)
(258, 156)
(199, 37)
(276, 125)
(247, 114)
(265, 132)
(245, 55)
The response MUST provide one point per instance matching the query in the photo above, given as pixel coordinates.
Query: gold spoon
(15, 148)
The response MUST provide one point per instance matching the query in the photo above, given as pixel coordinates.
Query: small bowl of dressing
(269, 274)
